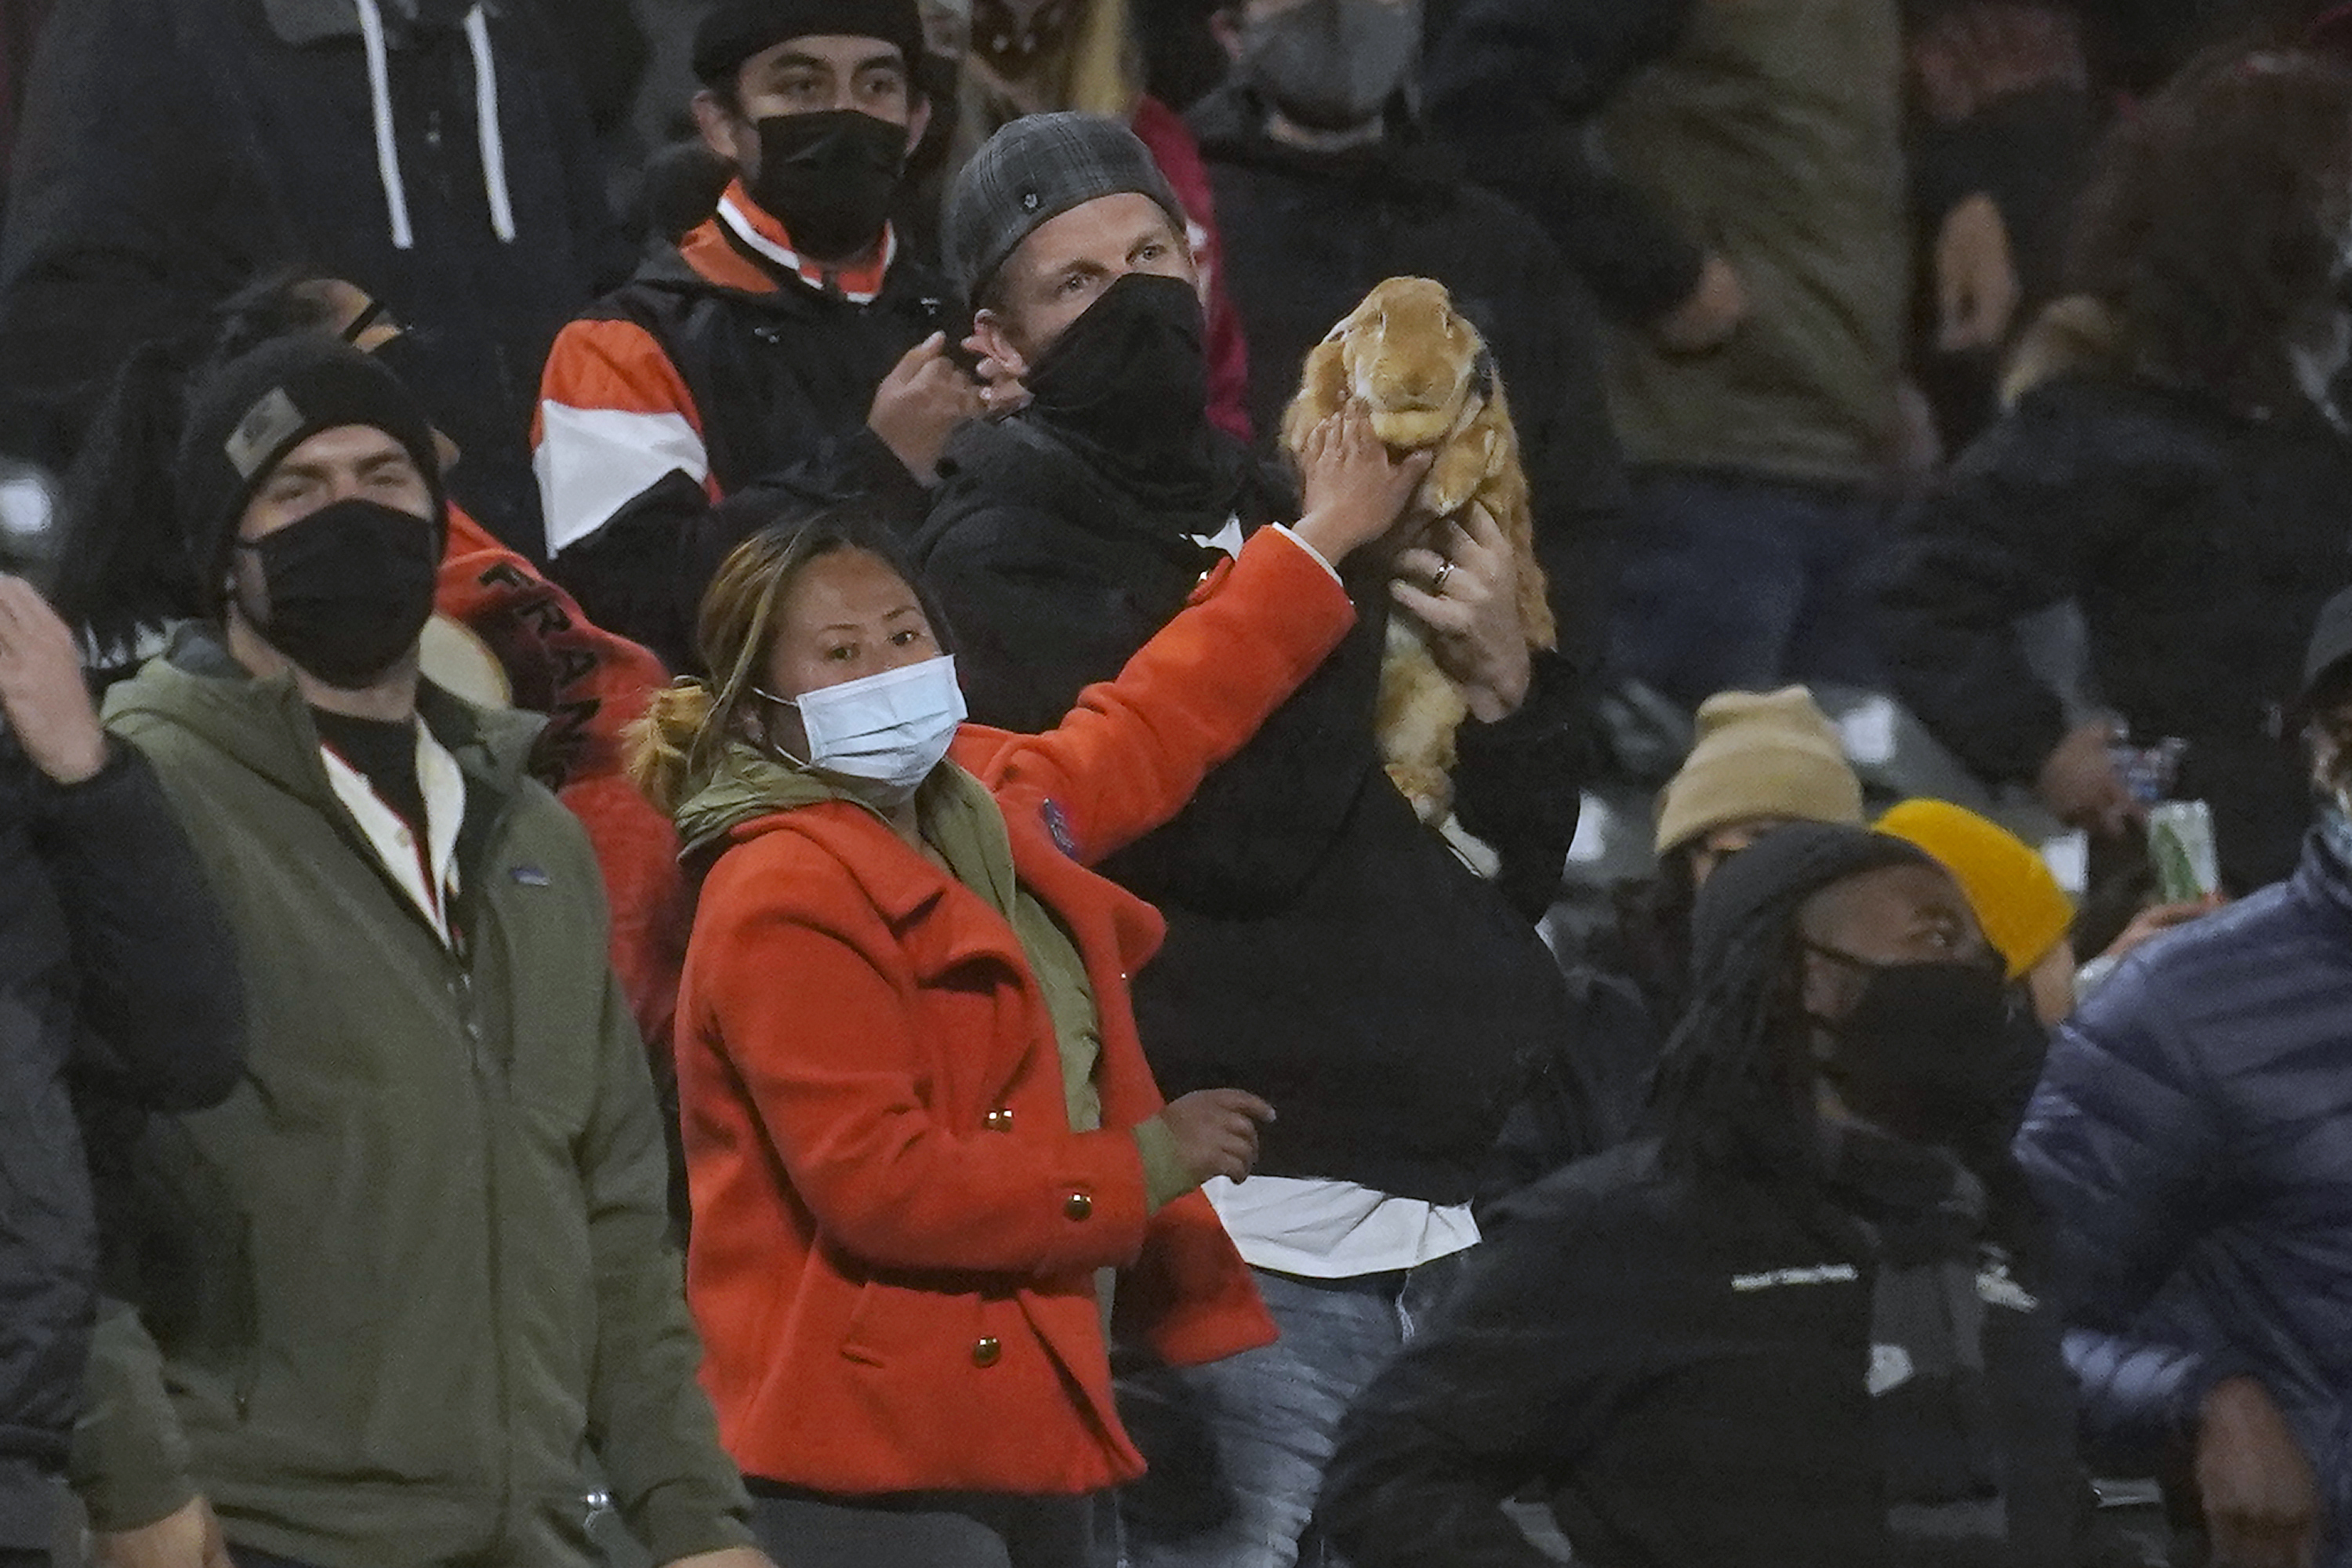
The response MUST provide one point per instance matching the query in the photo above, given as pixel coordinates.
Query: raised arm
(153, 953)
(1133, 751)
(1198, 691)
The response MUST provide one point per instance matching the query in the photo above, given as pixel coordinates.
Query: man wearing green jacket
(423, 1282)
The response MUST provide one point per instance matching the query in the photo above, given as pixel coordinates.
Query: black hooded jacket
(1324, 949)
(1682, 1366)
(118, 978)
(173, 150)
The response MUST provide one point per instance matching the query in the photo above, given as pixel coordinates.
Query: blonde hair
(669, 753)
(1105, 77)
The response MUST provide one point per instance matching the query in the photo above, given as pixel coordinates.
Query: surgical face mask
(1331, 65)
(349, 588)
(829, 178)
(1931, 1049)
(881, 733)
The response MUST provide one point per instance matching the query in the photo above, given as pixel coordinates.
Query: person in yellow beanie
(2026, 916)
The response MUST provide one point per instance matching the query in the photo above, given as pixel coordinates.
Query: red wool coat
(895, 1231)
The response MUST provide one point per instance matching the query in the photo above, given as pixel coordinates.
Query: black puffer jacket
(1683, 1367)
(2199, 546)
(1307, 234)
(1324, 949)
(117, 967)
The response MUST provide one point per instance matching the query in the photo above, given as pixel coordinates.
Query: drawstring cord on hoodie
(486, 111)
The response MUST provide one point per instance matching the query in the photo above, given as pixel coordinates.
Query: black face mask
(1931, 1049)
(1132, 376)
(349, 588)
(829, 178)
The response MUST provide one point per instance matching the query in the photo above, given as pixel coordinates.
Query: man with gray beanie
(1064, 537)
(421, 1270)
(789, 343)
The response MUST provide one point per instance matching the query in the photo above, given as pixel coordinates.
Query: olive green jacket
(431, 1282)
(1773, 134)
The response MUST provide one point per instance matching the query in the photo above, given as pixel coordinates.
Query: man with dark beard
(1064, 537)
(786, 343)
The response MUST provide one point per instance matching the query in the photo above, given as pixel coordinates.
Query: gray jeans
(1237, 1448)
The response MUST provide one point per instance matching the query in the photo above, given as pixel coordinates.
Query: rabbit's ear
(1322, 391)
(1483, 370)
(1327, 375)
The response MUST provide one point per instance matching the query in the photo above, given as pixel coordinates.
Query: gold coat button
(988, 1352)
(1077, 1205)
(1000, 1120)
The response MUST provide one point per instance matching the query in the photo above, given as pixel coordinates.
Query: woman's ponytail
(658, 747)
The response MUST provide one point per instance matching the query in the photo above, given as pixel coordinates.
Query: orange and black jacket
(722, 367)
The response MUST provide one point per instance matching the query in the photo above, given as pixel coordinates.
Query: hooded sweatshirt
(433, 152)
(426, 1270)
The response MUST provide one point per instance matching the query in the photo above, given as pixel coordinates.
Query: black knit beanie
(1764, 883)
(735, 30)
(251, 412)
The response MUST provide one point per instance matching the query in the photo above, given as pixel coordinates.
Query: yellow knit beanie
(2023, 910)
(1759, 755)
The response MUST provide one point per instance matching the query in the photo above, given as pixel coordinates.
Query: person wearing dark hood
(1327, 184)
(118, 975)
(433, 152)
(2188, 1140)
(1799, 1325)
(1325, 950)
(424, 1276)
(789, 342)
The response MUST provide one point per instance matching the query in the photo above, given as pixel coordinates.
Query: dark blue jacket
(2192, 1141)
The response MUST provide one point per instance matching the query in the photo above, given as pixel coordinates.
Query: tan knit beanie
(1759, 755)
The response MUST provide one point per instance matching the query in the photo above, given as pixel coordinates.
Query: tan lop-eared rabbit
(1428, 381)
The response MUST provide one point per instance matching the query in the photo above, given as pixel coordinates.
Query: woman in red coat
(921, 1133)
